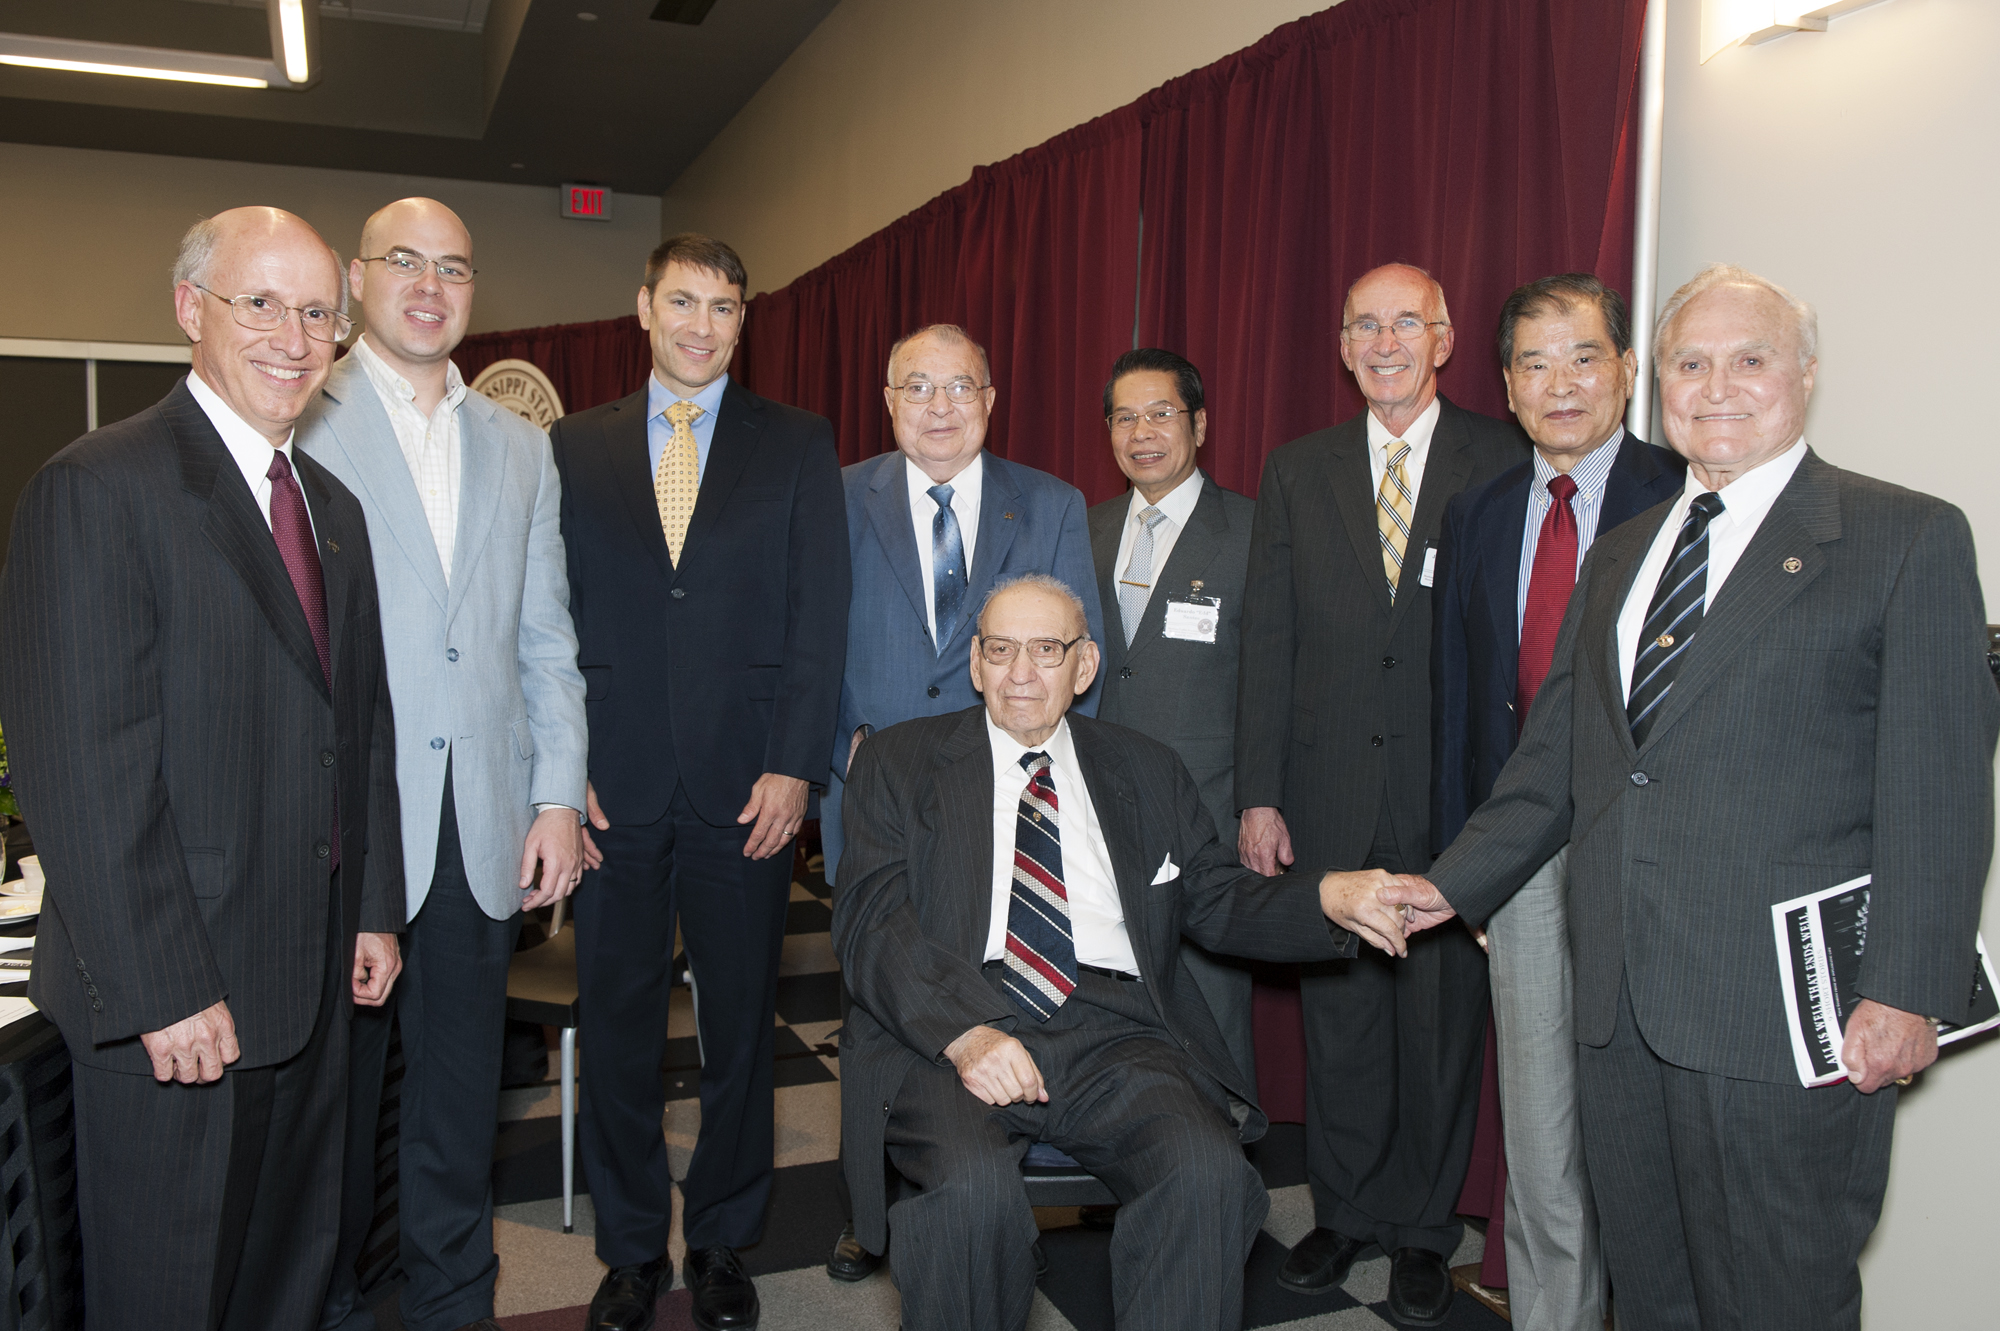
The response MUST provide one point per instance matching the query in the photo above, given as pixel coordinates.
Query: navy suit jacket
(1029, 522)
(1476, 631)
(725, 666)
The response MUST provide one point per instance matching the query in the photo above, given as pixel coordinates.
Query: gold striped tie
(678, 481)
(1393, 507)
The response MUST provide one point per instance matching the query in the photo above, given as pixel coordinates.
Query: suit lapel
(963, 779)
(889, 514)
(1353, 486)
(1194, 549)
(1117, 807)
(1617, 561)
(737, 426)
(1106, 527)
(361, 429)
(999, 509)
(1446, 469)
(482, 475)
(1500, 558)
(632, 477)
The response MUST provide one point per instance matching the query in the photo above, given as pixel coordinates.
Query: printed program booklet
(1820, 940)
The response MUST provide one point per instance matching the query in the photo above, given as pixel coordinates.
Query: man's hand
(195, 1048)
(996, 1067)
(378, 960)
(1358, 902)
(1426, 906)
(777, 805)
(555, 841)
(593, 858)
(1884, 1044)
(1263, 842)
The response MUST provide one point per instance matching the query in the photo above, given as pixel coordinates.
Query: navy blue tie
(1673, 618)
(948, 571)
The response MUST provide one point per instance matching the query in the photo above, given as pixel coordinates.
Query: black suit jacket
(1475, 611)
(728, 665)
(915, 899)
(1181, 692)
(1333, 702)
(1833, 717)
(175, 745)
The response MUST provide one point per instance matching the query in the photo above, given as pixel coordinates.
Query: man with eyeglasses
(1171, 559)
(463, 507)
(1333, 759)
(933, 526)
(1016, 885)
(198, 723)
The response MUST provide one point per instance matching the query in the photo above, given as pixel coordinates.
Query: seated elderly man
(1011, 901)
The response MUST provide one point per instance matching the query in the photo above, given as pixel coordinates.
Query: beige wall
(89, 237)
(891, 102)
(1855, 167)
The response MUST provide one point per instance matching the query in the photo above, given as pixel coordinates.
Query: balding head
(1396, 373)
(1024, 618)
(414, 319)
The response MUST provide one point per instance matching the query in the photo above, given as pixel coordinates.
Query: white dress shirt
(965, 489)
(1745, 501)
(1097, 917)
(1176, 506)
(1418, 437)
(251, 450)
(430, 444)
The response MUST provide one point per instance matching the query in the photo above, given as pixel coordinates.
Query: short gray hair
(1040, 582)
(943, 333)
(197, 255)
(1805, 319)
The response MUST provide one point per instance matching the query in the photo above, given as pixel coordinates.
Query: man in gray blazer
(1171, 557)
(1769, 685)
(462, 503)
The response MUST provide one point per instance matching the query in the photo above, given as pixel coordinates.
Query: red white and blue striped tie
(1041, 950)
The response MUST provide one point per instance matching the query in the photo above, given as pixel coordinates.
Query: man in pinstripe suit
(1008, 915)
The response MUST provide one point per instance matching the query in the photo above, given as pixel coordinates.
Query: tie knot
(1561, 488)
(1708, 505)
(1398, 450)
(281, 466)
(1035, 764)
(941, 493)
(682, 412)
(1151, 517)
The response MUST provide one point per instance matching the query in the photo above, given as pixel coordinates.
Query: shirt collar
(251, 450)
(659, 397)
(391, 384)
(1750, 496)
(1418, 436)
(1177, 504)
(1007, 751)
(1591, 473)
(966, 485)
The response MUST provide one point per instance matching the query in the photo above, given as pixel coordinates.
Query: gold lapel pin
(1664, 640)
(1794, 564)
(333, 545)
(1008, 516)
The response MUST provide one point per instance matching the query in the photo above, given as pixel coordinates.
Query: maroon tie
(292, 530)
(1549, 586)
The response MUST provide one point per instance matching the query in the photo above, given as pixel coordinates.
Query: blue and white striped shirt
(1591, 475)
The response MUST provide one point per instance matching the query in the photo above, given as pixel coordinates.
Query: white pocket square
(1168, 871)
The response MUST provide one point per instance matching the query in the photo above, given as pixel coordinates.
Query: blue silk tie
(949, 578)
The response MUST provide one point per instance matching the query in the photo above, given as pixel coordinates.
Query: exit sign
(592, 203)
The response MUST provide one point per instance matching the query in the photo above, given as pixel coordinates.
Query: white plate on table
(14, 909)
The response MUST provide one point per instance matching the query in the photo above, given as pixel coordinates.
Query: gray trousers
(1555, 1267)
(1225, 986)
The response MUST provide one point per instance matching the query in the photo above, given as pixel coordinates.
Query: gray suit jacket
(1833, 717)
(915, 897)
(482, 672)
(1182, 693)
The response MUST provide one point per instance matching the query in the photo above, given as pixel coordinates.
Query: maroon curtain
(587, 364)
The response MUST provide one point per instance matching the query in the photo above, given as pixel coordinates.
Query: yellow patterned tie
(1393, 506)
(678, 481)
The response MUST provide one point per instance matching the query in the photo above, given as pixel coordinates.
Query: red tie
(1549, 586)
(292, 530)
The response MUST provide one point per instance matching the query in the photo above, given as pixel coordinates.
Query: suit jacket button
(677, 593)
(1125, 672)
(1640, 778)
(326, 758)
(321, 850)
(885, 1106)
(96, 1006)
(1388, 663)
(932, 690)
(437, 742)
(1376, 740)
(451, 653)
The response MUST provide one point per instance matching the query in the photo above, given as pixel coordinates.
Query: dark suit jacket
(1827, 722)
(1333, 702)
(1475, 612)
(915, 898)
(175, 745)
(728, 665)
(1181, 693)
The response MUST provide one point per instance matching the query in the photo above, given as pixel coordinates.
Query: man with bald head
(463, 509)
(198, 723)
(1333, 760)
(1771, 684)
(1009, 915)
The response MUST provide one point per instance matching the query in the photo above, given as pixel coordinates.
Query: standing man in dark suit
(1769, 685)
(199, 728)
(1009, 917)
(1333, 762)
(1178, 539)
(1507, 561)
(708, 574)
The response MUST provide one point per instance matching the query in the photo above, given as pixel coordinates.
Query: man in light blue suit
(462, 503)
(932, 528)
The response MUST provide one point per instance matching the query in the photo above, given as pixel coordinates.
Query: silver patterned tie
(1137, 584)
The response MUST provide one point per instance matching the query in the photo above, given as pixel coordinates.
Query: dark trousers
(218, 1205)
(451, 1005)
(731, 912)
(1394, 1051)
(1729, 1205)
(1127, 1104)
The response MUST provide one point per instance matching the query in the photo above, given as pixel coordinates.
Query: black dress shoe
(1319, 1261)
(1097, 1217)
(1420, 1289)
(624, 1300)
(724, 1298)
(851, 1261)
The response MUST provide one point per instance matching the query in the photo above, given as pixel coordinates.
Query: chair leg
(569, 1126)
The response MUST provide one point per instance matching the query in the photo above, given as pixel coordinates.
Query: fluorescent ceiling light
(292, 25)
(142, 62)
(133, 71)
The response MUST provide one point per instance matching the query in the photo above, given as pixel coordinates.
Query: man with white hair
(1772, 684)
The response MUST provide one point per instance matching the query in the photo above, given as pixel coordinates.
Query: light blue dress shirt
(660, 431)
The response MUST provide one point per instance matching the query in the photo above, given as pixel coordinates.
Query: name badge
(1430, 566)
(1193, 618)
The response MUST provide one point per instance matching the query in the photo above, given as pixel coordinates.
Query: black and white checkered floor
(546, 1276)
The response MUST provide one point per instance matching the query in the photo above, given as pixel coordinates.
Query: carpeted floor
(547, 1277)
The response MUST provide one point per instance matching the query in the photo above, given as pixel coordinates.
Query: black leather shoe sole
(1420, 1288)
(1320, 1261)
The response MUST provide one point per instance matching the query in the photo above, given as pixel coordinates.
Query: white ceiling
(451, 15)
